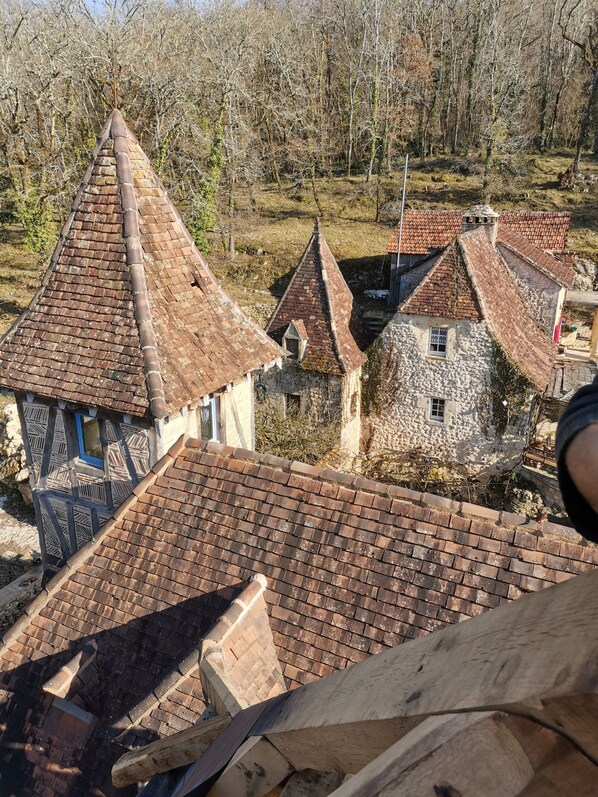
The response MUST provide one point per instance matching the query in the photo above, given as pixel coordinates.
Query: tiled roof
(504, 310)
(536, 257)
(427, 230)
(446, 291)
(353, 567)
(471, 280)
(129, 316)
(319, 296)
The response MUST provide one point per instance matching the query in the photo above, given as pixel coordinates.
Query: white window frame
(437, 336)
(214, 405)
(437, 415)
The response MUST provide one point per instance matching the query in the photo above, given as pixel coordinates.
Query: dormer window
(294, 340)
(90, 441)
(292, 345)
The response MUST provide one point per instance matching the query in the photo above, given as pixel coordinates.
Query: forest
(227, 95)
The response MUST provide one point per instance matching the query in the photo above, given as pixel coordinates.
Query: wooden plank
(489, 754)
(537, 657)
(216, 758)
(254, 770)
(171, 752)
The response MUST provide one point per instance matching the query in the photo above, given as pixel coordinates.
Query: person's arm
(581, 459)
(577, 458)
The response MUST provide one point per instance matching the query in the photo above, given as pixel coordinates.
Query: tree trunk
(585, 122)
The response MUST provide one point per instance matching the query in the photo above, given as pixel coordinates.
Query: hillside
(272, 225)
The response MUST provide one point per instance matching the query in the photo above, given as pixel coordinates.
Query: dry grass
(277, 224)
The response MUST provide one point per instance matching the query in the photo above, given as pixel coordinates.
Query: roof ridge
(335, 343)
(81, 556)
(291, 281)
(135, 264)
(62, 235)
(364, 484)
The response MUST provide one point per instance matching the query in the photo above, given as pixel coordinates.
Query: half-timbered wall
(72, 498)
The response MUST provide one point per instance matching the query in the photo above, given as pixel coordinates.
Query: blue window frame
(90, 442)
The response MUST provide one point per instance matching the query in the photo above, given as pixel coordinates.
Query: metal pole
(394, 289)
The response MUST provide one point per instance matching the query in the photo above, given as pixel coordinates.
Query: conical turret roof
(319, 296)
(129, 316)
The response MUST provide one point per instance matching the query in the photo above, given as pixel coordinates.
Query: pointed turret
(129, 316)
(129, 343)
(319, 297)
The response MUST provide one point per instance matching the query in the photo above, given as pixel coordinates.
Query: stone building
(319, 324)
(122, 649)
(458, 367)
(128, 343)
(533, 245)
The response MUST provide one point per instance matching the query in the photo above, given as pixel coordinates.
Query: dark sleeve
(581, 412)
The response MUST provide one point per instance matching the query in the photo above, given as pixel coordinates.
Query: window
(208, 418)
(437, 342)
(90, 441)
(437, 406)
(292, 346)
(292, 404)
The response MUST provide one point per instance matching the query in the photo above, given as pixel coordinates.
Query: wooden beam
(309, 783)
(467, 755)
(537, 657)
(253, 771)
(171, 752)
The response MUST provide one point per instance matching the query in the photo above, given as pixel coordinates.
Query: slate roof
(471, 280)
(427, 230)
(129, 316)
(353, 566)
(319, 296)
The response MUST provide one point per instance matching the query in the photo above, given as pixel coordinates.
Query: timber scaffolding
(500, 705)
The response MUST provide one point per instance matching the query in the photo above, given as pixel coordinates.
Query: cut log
(171, 752)
(468, 755)
(537, 657)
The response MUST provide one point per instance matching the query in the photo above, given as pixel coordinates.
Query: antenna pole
(393, 294)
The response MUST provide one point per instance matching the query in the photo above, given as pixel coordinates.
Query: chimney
(481, 216)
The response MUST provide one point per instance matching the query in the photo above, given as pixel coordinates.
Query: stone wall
(406, 379)
(72, 498)
(351, 412)
(543, 297)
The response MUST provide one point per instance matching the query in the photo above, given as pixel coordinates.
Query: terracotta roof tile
(319, 296)
(446, 291)
(129, 316)
(351, 570)
(427, 230)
